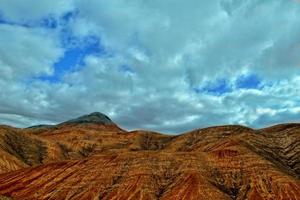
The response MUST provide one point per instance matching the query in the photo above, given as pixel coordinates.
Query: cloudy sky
(171, 65)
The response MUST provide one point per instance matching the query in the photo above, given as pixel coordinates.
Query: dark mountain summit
(92, 118)
(95, 118)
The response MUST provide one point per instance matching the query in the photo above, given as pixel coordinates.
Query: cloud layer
(167, 65)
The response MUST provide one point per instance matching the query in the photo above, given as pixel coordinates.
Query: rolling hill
(93, 158)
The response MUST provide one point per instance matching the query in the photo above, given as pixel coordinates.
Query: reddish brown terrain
(92, 158)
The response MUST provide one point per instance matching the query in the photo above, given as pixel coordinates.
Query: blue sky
(168, 66)
(73, 58)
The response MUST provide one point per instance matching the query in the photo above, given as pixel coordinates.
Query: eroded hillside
(92, 158)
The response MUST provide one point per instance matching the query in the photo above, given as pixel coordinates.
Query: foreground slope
(92, 158)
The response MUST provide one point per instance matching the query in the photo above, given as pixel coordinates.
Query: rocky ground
(92, 158)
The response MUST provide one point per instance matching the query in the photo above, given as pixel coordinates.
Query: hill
(92, 158)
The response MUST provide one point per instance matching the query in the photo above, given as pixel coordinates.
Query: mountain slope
(95, 160)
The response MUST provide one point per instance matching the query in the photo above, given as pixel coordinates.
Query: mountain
(92, 158)
(95, 118)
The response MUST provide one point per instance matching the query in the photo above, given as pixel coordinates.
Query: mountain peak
(95, 117)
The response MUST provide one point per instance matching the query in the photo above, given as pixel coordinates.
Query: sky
(169, 66)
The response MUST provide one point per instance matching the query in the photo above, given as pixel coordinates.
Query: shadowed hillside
(92, 158)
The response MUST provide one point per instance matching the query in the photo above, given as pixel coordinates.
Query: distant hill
(92, 158)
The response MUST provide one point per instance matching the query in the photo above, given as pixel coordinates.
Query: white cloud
(30, 10)
(27, 51)
(171, 48)
(212, 38)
